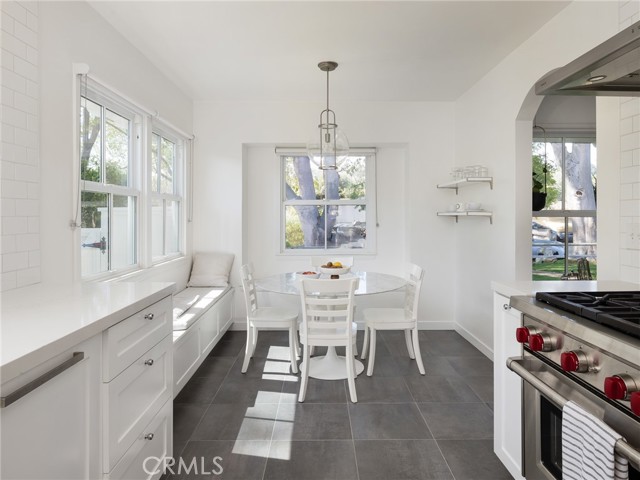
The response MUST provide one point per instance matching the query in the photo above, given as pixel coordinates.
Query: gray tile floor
(405, 426)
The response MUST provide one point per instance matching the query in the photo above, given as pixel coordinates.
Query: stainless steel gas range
(583, 347)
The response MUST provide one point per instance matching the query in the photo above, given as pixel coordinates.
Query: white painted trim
(241, 324)
(485, 349)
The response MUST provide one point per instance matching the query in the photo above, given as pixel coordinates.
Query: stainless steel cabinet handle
(506, 306)
(149, 362)
(42, 379)
(148, 316)
(148, 436)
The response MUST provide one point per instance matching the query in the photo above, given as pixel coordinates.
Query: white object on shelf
(468, 213)
(334, 271)
(454, 185)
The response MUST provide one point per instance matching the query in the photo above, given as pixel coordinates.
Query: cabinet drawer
(134, 397)
(128, 340)
(152, 445)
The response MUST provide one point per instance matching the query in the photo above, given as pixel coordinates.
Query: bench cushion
(192, 302)
(210, 269)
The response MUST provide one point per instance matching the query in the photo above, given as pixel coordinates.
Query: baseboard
(464, 333)
(240, 324)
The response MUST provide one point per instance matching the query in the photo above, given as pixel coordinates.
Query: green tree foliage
(553, 190)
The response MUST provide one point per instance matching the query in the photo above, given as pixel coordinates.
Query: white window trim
(370, 201)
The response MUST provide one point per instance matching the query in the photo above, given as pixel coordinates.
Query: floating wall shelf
(466, 181)
(480, 213)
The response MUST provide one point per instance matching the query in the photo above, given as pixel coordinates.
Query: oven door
(542, 417)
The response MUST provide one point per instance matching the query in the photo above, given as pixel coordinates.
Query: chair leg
(407, 337)
(365, 344)
(372, 353)
(312, 349)
(304, 376)
(255, 340)
(355, 347)
(292, 349)
(297, 342)
(416, 348)
(351, 374)
(248, 350)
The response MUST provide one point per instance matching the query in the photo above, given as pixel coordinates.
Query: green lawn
(555, 270)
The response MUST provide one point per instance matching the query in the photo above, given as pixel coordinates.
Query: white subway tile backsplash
(32, 55)
(27, 173)
(629, 107)
(13, 116)
(7, 97)
(13, 81)
(14, 261)
(8, 244)
(13, 44)
(7, 170)
(6, 24)
(26, 104)
(14, 189)
(14, 225)
(25, 34)
(630, 141)
(32, 89)
(27, 208)
(15, 10)
(6, 59)
(626, 191)
(27, 242)
(626, 125)
(33, 190)
(630, 174)
(8, 281)
(28, 276)
(8, 207)
(7, 133)
(31, 6)
(636, 157)
(626, 158)
(629, 208)
(25, 69)
(33, 224)
(34, 258)
(25, 138)
(32, 22)
(628, 10)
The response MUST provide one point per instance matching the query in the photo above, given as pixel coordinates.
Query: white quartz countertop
(42, 321)
(513, 288)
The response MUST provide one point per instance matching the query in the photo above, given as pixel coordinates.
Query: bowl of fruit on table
(334, 268)
(308, 274)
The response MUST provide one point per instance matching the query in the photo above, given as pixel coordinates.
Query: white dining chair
(327, 320)
(396, 319)
(271, 318)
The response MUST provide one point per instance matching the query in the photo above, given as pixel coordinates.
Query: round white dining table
(332, 366)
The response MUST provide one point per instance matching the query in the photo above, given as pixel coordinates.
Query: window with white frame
(166, 198)
(328, 209)
(125, 186)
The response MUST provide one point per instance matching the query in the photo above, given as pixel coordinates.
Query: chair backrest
(249, 287)
(327, 308)
(346, 260)
(414, 285)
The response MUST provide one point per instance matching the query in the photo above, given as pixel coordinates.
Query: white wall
(20, 243)
(489, 118)
(237, 188)
(72, 32)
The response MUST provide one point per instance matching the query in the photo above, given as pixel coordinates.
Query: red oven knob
(574, 361)
(635, 403)
(523, 333)
(542, 342)
(619, 387)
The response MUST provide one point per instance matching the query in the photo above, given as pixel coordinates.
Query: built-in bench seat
(201, 316)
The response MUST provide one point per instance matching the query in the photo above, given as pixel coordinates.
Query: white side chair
(327, 320)
(396, 319)
(272, 318)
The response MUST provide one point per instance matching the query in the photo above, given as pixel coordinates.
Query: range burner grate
(618, 310)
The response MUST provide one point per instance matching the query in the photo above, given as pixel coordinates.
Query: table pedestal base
(331, 366)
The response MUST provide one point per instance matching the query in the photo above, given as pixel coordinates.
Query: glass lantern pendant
(330, 144)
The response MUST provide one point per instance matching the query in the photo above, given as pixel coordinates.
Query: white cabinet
(137, 392)
(507, 393)
(53, 431)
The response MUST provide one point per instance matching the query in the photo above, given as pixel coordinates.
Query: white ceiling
(269, 50)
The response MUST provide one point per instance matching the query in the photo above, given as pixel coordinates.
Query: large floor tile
(186, 417)
(222, 460)
(482, 386)
(237, 422)
(440, 389)
(387, 421)
(311, 460)
(382, 389)
(400, 460)
(265, 368)
(215, 366)
(472, 366)
(473, 460)
(246, 390)
(199, 390)
(315, 421)
(446, 343)
(318, 391)
(458, 420)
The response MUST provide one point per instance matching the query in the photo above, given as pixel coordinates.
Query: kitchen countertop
(42, 321)
(513, 288)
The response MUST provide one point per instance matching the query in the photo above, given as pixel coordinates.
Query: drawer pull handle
(148, 436)
(506, 306)
(149, 362)
(42, 379)
(148, 316)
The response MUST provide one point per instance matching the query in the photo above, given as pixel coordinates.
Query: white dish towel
(588, 447)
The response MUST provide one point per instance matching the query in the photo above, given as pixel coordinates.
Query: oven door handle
(515, 365)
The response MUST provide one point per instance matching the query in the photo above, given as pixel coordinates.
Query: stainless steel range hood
(612, 68)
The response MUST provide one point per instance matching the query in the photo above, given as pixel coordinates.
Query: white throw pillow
(210, 269)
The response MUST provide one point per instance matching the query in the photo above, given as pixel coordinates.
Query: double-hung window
(132, 185)
(110, 193)
(328, 209)
(166, 199)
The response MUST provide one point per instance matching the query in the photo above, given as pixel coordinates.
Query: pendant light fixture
(329, 145)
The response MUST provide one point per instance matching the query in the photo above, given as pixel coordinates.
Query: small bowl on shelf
(307, 274)
(334, 270)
